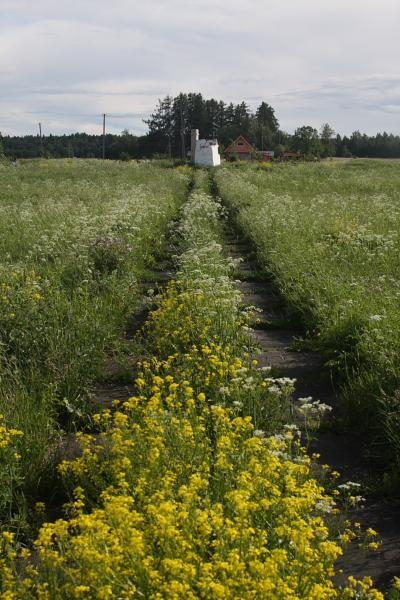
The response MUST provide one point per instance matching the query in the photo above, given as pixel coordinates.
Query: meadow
(198, 485)
(75, 242)
(328, 236)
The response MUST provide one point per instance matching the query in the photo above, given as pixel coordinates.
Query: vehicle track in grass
(277, 340)
(279, 348)
(117, 382)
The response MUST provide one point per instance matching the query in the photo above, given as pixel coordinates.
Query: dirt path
(118, 373)
(277, 343)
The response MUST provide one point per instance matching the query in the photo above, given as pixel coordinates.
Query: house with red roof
(241, 149)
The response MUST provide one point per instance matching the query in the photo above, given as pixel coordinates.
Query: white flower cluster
(309, 407)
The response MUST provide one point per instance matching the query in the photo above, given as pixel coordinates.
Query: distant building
(266, 155)
(241, 149)
(291, 155)
(204, 153)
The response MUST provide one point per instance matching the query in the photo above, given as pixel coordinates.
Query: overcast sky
(315, 61)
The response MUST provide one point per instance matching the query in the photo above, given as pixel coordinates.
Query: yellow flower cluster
(19, 291)
(193, 505)
(10, 468)
(7, 435)
(189, 503)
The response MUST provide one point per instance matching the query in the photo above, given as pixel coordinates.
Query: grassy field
(76, 237)
(329, 235)
(198, 485)
(195, 487)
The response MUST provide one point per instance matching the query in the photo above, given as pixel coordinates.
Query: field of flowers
(194, 487)
(328, 234)
(76, 237)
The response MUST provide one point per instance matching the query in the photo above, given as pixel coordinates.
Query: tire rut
(118, 381)
(279, 348)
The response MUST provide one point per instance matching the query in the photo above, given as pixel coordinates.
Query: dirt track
(342, 452)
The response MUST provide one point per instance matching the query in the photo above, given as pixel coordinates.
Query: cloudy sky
(65, 63)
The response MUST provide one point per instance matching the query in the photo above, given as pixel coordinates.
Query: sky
(63, 64)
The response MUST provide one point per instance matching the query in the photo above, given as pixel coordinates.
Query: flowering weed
(185, 491)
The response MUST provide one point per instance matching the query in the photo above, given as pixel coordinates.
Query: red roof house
(241, 149)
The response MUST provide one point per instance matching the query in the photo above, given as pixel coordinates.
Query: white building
(205, 151)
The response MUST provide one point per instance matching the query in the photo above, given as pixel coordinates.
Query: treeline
(169, 132)
(79, 145)
(174, 117)
(309, 142)
(382, 145)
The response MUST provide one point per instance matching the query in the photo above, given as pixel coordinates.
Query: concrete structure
(204, 153)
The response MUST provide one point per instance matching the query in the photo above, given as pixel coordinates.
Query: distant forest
(169, 135)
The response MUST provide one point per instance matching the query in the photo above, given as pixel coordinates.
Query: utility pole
(104, 135)
(41, 139)
(262, 137)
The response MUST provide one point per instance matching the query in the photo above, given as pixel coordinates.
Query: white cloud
(66, 63)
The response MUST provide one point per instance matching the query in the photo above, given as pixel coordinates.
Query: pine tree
(2, 154)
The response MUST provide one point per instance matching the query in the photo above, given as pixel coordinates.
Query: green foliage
(328, 141)
(79, 145)
(3, 158)
(124, 156)
(306, 141)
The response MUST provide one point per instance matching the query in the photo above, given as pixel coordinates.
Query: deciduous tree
(306, 140)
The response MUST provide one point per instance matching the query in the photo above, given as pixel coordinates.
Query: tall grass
(76, 237)
(329, 236)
